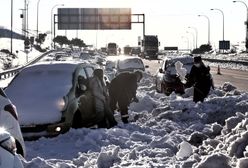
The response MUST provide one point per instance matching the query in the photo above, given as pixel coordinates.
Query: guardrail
(226, 61)
(11, 72)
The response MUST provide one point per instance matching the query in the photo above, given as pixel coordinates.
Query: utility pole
(11, 35)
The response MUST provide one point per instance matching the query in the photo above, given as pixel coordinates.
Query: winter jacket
(201, 79)
(98, 88)
(124, 85)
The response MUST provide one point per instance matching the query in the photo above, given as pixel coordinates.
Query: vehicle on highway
(46, 94)
(61, 56)
(8, 156)
(117, 64)
(167, 79)
(135, 51)
(127, 50)
(112, 49)
(9, 121)
(150, 46)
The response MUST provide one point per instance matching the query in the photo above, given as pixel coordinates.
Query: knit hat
(197, 59)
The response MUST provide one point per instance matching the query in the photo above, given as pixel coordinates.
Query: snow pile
(165, 131)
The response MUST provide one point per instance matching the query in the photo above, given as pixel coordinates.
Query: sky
(167, 19)
(164, 131)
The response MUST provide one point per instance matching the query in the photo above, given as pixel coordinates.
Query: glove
(135, 100)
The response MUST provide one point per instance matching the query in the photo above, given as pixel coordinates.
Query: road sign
(94, 18)
(224, 45)
(171, 48)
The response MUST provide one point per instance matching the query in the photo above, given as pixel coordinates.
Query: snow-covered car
(167, 79)
(117, 64)
(8, 156)
(9, 121)
(46, 95)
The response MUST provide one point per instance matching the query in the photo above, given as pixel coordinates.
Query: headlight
(8, 143)
(61, 104)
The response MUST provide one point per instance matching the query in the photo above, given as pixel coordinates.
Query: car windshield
(170, 64)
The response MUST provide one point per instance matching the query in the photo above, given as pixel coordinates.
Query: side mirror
(161, 70)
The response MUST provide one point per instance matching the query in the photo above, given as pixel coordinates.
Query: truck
(127, 50)
(112, 49)
(150, 45)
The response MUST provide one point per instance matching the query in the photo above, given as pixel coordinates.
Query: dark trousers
(199, 94)
(123, 103)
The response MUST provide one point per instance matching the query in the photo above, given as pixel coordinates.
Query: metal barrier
(11, 72)
(226, 61)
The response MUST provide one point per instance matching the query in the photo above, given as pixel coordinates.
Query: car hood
(37, 96)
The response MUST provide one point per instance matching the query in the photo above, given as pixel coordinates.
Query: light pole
(187, 42)
(196, 34)
(11, 25)
(208, 26)
(37, 24)
(193, 37)
(223, 21)
(52, 22)
(246, 23)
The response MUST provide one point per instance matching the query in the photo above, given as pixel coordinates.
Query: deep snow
(165, 131)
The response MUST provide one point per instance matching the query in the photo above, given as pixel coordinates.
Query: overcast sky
(167, 19)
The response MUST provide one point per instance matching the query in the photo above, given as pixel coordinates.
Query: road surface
(238, 78)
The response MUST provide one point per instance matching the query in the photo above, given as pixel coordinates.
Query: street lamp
(37, 24)
(246, 23)
(223, 21)
(187, 42)
(196, 34)
(11, 25)
(52, 21)
(193, 37)
(208, 27)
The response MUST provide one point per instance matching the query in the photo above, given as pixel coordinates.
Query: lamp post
(37, 24)
(193, 37)
(196, 34)
(11, 25)
(52, 22)
(223, 21)
(246, 23)
(208, 26)
(187, 42)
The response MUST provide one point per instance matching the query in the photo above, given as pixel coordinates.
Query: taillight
(12, 110)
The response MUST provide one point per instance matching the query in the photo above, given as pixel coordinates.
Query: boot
(124, 120)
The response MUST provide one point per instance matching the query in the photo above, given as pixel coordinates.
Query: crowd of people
(99, 99)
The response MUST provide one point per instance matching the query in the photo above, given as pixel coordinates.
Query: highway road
(236, 77)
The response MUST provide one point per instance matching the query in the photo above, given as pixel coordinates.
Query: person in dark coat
(201, 79)
(122, 91)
